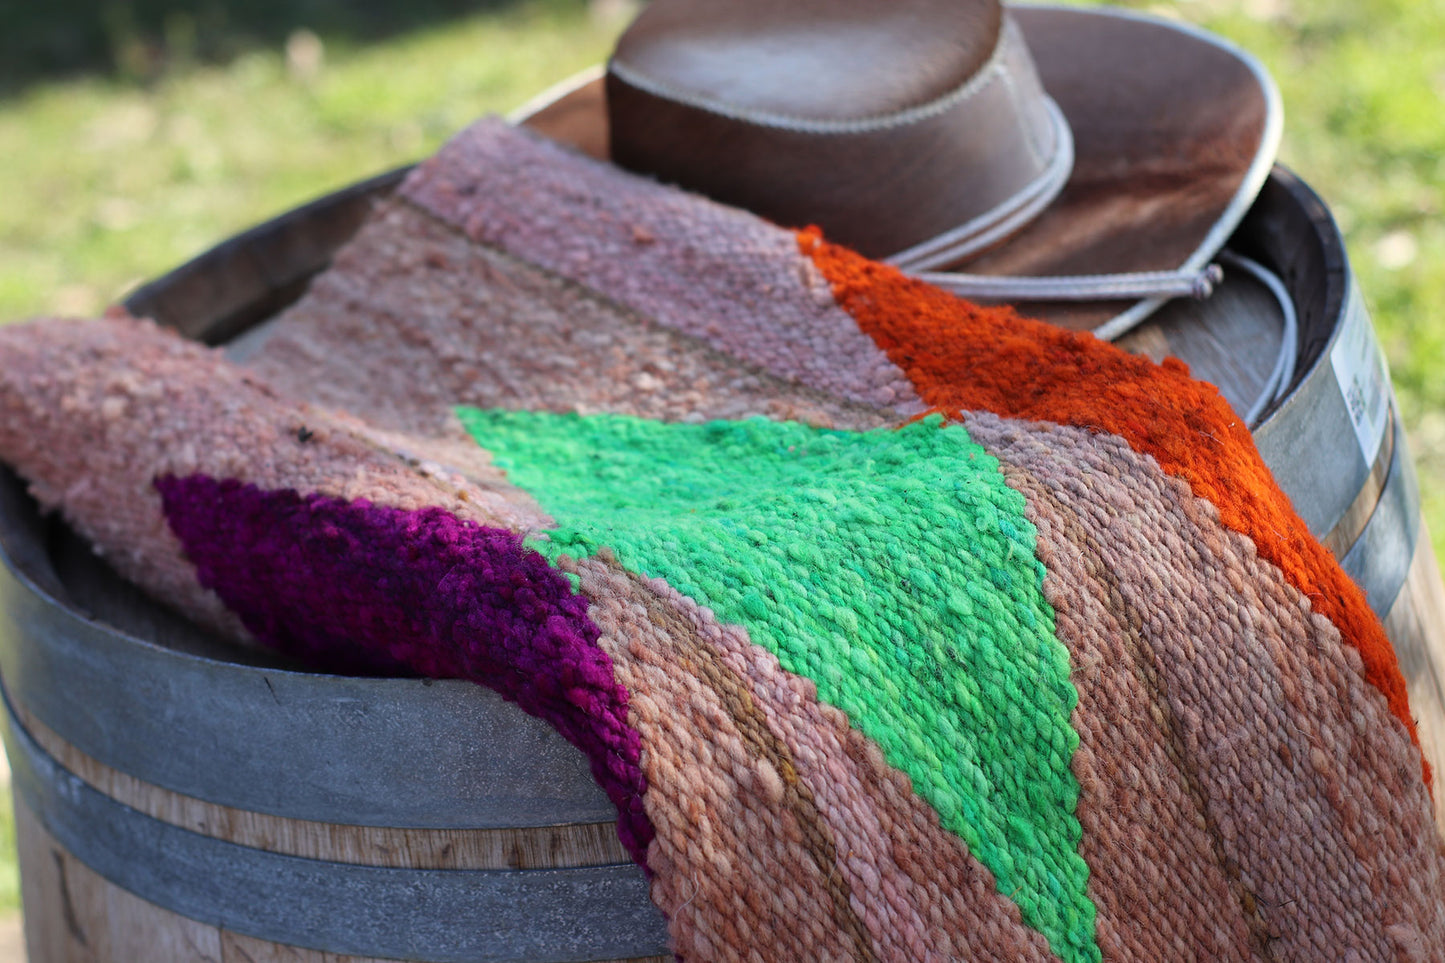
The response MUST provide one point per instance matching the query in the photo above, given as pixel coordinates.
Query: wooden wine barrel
(178, 799)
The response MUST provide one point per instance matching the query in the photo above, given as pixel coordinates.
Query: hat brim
(1175, 131)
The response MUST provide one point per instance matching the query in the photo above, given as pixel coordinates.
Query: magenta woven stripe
(356, 587)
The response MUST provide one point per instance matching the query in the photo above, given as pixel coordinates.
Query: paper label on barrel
(1363, 378)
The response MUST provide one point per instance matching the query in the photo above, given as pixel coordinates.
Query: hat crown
(835, 60)
(889, 123)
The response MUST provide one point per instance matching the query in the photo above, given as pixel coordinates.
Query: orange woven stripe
(963, 357)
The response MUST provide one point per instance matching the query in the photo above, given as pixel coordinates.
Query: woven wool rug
(896, 628)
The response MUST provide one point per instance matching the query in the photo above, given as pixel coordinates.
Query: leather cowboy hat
(1084, 164)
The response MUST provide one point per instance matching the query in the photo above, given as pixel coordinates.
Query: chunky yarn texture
(894, 568)
(896, 628)
(962, 357)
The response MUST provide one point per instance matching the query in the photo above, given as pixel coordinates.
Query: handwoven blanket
(896, 628)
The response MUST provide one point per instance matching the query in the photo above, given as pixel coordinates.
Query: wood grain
(236, 948)
(573, 120)
(545, 847)
(1416, 624)
(73, 915)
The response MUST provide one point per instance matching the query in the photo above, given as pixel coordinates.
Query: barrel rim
(149, 300)
(1337, 275)
(48, 588)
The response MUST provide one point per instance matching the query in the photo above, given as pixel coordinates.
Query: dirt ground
(12, 940)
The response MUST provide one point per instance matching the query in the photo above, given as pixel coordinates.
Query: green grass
(108, 181)
(139, 139)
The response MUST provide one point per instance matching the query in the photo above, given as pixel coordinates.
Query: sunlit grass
(106, 182)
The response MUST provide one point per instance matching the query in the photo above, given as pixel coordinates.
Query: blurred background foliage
(137, 133)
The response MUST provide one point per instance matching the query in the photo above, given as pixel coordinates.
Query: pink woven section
(716, 273)
(1223, 727)
(414, 318)
(793, 839)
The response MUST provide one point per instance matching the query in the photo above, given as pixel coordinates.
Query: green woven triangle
(893, 567)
